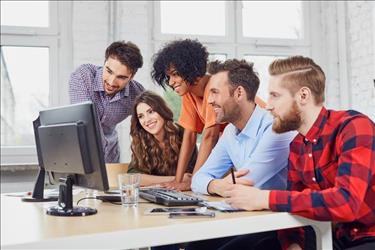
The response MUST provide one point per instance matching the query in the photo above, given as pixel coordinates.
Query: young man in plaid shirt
(111, 88)
(331, 174)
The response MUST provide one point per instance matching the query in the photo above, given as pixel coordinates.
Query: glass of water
(129, 189)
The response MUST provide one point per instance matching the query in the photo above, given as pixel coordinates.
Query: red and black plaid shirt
(332, 176)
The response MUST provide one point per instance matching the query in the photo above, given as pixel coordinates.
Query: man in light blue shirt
(248, 143)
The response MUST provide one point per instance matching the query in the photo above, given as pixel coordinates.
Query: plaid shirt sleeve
(78, 87)
(293, 235)
(341, 202)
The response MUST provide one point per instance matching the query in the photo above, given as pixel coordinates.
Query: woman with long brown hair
(156, 141)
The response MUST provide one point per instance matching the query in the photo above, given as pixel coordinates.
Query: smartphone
(192, 215)
(166, 210)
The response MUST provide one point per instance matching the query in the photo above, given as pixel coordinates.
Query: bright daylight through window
(261, 64)
(190, 17)
(28, 71)
(256, 16)
(24, 91)
(25, 13)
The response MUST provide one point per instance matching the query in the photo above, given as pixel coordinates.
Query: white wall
(361, 29)
(347, 52)
(97, 24)
(343, 43)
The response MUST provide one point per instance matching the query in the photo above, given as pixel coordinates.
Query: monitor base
(47, 199)
(75, 211)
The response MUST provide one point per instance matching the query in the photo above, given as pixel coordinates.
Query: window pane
(286, 16)
(219, 57)
(261, 64)
(174, 102)
(25, 13)
(193, 17)
(24, 92)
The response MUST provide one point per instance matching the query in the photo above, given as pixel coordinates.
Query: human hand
(219, 186)
(294, 246)
(247, 197)
(179, 186)
(187, 177)
(237, 175)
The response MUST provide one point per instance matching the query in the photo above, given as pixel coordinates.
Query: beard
(230, 113)
(291, 121)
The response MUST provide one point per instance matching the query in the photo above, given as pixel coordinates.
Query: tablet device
(192, 215)
(167, 210)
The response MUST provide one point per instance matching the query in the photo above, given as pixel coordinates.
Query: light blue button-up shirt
(256, 148)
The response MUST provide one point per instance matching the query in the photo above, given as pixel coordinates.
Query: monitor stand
(65, 202)
(38, 192)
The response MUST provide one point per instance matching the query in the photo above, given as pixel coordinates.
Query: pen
(232, 173)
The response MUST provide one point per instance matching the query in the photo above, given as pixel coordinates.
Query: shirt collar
(314, 132)
(98, 86)
(253, 124)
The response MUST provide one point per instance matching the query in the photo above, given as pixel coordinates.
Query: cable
(92, 198)
(112, 202)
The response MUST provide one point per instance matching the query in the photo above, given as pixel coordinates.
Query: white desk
(26, 225)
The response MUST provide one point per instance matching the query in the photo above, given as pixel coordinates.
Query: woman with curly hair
(182, 65)
(156, 141)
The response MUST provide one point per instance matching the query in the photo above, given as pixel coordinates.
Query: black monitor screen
(70, 143)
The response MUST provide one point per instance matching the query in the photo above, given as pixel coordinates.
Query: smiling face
(179, 85)
(283, 106)
(221, 99)
(115, 76)
(150, 120)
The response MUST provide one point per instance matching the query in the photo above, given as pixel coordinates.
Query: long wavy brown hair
(147, 153)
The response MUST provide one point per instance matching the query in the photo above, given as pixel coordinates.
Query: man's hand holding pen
(247, 198)
(219, 186)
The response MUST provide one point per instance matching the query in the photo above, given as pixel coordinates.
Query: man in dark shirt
(111, 88)
(331, 174)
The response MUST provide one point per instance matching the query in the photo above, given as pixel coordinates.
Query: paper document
(221, 206)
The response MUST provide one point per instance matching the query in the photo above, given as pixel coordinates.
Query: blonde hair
(298, 72)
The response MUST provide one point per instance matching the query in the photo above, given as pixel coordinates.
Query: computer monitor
(69, 142)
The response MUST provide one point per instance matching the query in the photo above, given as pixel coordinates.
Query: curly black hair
(188, 57)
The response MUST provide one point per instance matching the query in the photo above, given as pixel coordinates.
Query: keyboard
(168, 197)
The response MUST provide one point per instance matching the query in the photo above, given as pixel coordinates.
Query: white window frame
(261, 41)
(40, 37)
(230, 51)
(25, 30)
(229, 31)
(271, 51)
(235, 45)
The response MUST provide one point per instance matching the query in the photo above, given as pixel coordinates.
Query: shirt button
(313, 179)
(314, 140)
(355, 230)
(310, 155)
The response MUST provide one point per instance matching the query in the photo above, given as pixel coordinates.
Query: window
(261, 64)
(29, 74)
(257, 31)
(256, 16)
(24, 89)
(219, 57)
(25, 13)
(189, 17)
(206, 20)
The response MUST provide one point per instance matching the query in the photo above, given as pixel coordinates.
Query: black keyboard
(168, 197)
